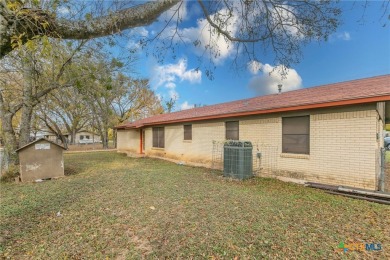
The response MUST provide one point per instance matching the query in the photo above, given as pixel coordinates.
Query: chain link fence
(384, 175)
(265, 159)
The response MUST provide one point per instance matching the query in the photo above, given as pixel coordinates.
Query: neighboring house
(83, 137)
(86, 137)
(330, 134)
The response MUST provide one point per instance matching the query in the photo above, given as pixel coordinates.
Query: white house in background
(83, 137)
(86, 137)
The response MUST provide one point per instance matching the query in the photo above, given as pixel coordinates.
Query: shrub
(10, 174)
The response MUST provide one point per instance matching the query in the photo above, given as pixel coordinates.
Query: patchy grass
(125, 208)
(89, 147)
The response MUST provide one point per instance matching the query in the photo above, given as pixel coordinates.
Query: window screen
(158, 137)
(232, 131)
(296, 135)
(187, 132)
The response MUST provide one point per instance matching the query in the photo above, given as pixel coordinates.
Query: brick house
(329, 134)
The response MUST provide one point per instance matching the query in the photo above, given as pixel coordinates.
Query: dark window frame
(296, 134)
(232, 130)
(187, 131)
(158, 140)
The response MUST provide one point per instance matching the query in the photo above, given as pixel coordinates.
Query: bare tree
(170, 105)
(64, 110)
(118, 98)
(252, 26)
(28, 76)
(133, 99)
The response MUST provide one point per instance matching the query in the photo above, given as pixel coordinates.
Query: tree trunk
(9, 137)
(115, 138)
(73, 137)
(105, 139)
(28, 106)
(25, 125)
(63, 140)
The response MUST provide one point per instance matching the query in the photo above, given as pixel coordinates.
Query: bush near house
(10, 174)
(126, 208)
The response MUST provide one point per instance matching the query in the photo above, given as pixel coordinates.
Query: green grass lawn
(126, 208)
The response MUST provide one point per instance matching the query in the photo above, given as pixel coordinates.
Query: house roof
(359, 91)
(36, 141)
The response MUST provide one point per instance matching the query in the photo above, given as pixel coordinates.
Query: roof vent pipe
(280, 88)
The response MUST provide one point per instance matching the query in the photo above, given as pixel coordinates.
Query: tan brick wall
(128, 141)
(343, 145)
(197, 150)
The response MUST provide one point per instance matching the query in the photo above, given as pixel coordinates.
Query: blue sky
(358, 49)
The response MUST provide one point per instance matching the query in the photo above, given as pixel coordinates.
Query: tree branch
(28, 23)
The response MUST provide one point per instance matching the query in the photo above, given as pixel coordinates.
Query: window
(87, 137)
(187, 132)
(296, 134)
(232, 132)
(158, 137)
(81, 137)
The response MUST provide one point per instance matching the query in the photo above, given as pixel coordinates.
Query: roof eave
(40, 139)
(274, 110)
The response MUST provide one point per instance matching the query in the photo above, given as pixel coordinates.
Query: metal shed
(41, 159)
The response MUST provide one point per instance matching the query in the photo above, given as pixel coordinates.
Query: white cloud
(170, 85)
(173, 94)
(141, 31)
(135, 36)
(207, 39)
(345, 36)
(178, 11)
(168, 74)
(340, 36)
(254, 67)
(286, 21)
(268, 77)
(185, 106)
(63, 10)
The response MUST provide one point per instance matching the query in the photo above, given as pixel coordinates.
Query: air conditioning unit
(237, 159)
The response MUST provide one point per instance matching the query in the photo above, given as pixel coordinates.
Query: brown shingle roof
(344, 93)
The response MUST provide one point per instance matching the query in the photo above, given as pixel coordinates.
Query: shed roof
(358, 91)
(40, 139)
